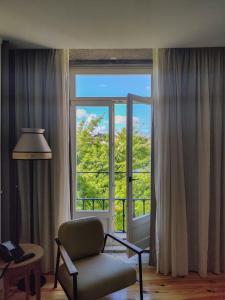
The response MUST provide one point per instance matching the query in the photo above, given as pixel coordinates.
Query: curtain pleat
(190, 159)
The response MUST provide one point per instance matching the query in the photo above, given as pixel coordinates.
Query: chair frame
(72, 270)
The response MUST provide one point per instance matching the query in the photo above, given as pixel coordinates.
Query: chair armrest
(129, 245)
(72, 270)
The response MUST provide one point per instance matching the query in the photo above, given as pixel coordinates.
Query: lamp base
(21, 283)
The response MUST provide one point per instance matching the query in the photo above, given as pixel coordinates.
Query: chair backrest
(82, 237)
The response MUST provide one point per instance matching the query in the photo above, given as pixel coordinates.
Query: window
(112, 85)
(99, 119)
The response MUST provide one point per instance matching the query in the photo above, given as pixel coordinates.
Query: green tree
(93, 169)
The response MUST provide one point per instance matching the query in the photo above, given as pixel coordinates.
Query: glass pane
(120, 185)
(141, 186)
(141, 159)
(120, 216)
(120, 168)
(141, 208)
(92, 160)
(92, 185)
(120, 138)
(112, 85)
(141, 139)
(92, 138)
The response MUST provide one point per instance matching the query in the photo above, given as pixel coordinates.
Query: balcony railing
(120, 215)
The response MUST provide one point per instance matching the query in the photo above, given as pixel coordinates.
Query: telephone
(10, 251)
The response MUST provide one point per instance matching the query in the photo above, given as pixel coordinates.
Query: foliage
(93, 169)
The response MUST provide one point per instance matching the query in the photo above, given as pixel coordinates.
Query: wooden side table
(24, 269)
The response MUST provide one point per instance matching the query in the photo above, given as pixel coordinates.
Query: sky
(103, 85)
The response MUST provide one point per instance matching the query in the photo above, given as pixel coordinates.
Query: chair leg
(140, 276)
(103, 249)
(74, 287)
(57, 268)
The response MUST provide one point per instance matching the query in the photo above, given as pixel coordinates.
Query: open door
(139, 123)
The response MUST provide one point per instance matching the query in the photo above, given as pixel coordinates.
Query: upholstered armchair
(86, 272)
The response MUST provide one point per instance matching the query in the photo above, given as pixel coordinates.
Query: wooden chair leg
(37, 283)
(27, 284)
(6, 282)
(57, 267)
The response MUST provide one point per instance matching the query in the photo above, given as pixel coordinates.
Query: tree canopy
(93, 170)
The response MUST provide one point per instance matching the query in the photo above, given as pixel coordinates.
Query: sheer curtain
(190, 159)
(41, 89)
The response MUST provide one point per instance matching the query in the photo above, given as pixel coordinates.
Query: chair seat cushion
(98, 276)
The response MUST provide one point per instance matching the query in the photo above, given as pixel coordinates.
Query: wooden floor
(156, 287)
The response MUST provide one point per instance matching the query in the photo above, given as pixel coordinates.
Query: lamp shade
(32, 145)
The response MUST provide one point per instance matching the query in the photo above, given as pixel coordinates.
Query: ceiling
(113, 24)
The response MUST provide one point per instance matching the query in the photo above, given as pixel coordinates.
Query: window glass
(112, 85)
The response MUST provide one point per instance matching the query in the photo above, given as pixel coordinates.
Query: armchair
(87, 273)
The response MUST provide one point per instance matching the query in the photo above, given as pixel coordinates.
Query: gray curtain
(10, 202)
(190, 159)
(41, 100)
(152, 240)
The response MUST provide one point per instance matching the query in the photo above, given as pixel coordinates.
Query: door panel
(139, 115)
(92, 155)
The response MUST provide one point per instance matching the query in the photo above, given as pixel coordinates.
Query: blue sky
(112, 85)
(115, 86)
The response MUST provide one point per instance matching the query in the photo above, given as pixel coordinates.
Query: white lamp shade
(32, 145)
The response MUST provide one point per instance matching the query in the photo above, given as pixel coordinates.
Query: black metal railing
(141, 205)
(120, 215)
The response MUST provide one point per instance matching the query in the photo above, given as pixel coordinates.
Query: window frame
(105, 69)
(92, 101)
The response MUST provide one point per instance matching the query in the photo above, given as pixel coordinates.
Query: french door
(111, 151)
(92, 160)
(138, 169)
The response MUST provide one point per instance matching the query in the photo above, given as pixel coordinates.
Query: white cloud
(90, 117)
(81, 113)
(136, 120)
(101, 129)
(119, 120)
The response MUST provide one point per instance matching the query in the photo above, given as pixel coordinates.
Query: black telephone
(10, 251)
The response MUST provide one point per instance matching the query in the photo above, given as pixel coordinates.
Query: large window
(99, 142)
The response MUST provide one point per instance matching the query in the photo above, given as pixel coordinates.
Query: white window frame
(88, 101)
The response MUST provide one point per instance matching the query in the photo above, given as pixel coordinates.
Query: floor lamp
(32, 146)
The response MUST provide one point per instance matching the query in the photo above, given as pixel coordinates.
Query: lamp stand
(31, 171)
(32, 146)
(21, 283)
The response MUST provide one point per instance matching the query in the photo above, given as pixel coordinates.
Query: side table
(24, 269)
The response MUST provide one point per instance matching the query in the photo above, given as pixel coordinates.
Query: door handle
(130, 179)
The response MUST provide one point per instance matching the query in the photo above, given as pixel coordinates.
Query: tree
(93, 169)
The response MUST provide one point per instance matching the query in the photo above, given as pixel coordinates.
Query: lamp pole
(31, 167)
(32, 146)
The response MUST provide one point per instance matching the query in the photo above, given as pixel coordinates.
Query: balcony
(141, 207)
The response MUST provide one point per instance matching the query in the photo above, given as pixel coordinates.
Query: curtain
(41, 100)
(152, 240)
(190, 159)
(10, 202)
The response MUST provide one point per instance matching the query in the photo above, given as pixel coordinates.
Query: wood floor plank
(156, 286)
